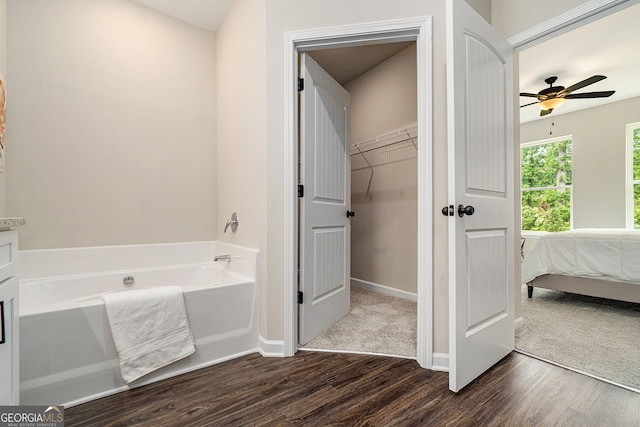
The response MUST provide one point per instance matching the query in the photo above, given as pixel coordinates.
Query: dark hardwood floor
(321, 389)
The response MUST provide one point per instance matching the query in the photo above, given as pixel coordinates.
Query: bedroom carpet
(597, 336)
(377, 323)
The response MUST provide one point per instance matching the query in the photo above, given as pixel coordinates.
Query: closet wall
(384, 230)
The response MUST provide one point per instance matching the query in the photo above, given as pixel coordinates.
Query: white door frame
(417, 29)
(556, 26)
(574, 18)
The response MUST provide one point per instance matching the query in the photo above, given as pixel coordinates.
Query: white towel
(150, 329)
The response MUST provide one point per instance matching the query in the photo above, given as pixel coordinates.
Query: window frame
(553, 140)
(630, 182)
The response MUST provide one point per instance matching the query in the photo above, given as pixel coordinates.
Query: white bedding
(610, 254)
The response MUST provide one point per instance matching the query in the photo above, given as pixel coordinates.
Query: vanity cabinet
(9, 321)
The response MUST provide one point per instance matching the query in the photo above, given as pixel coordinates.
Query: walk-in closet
(383, 153)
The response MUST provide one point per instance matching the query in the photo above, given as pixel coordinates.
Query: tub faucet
(223, 258)
(233, 222)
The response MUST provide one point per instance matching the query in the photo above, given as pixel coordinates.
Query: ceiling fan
(554, 96)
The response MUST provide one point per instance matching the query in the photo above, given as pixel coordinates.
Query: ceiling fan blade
(603, 94)
(545, 112)
(586, 82)
(526, 105)
(531, 95)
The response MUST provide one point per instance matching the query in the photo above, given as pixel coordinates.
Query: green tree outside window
(546, 186)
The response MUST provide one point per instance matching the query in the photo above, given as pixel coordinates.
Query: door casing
(414, 29)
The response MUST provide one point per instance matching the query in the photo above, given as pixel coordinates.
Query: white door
(325, 233)
(481, 248)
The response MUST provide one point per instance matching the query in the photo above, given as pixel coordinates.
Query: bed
(602, 263)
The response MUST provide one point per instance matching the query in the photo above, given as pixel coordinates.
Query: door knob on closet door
(448, 210)
(350, 214)
(465, 210)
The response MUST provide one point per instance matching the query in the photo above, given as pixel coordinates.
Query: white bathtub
(67, 354)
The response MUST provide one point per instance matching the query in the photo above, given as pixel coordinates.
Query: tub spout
(222, 258)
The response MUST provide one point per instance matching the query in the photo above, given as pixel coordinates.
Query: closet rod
(389, 136)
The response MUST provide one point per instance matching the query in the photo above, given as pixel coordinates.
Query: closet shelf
(386, 140)
(409, 134)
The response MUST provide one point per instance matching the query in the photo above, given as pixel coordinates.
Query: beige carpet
(594, 335)
(377, 324)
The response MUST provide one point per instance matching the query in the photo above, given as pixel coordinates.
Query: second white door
(481, 193)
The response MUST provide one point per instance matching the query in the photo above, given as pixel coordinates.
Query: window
(633, 175)
(546, 184)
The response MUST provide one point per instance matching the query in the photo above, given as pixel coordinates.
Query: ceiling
(347, 63)
(608, 46)
(206, 14)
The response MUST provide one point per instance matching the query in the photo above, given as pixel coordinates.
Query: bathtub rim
(203, 251)
(94, 299)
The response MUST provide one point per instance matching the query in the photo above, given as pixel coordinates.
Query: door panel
(486, 281)
(329, 263)
(485, 97)
(329, 145)
(480, 132)
(325, 233)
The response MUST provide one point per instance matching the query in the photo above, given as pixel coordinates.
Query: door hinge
(300, 84)
(300, 190)
(300, 297)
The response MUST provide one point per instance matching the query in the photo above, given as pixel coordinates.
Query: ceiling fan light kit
(554, 96)
(550, 104)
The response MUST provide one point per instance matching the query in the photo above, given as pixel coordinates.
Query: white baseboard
(271, 348)
(440, 362)
(382, 289)
(519, 323)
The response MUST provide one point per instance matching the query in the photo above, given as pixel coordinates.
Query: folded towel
(150, 329)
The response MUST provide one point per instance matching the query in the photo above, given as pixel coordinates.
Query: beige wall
(598, 159)
(511, 17)
(111, 126)
(384, 98)
(241, 117)
(384, 230)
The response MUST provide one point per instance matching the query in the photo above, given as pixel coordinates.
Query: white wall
(483, 7)
(111, 126)
(384, 230)
(598, 159)
(241, 114)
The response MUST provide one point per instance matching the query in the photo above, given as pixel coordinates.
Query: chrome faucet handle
(233, 222)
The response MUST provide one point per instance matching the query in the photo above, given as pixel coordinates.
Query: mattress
(609, 254)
